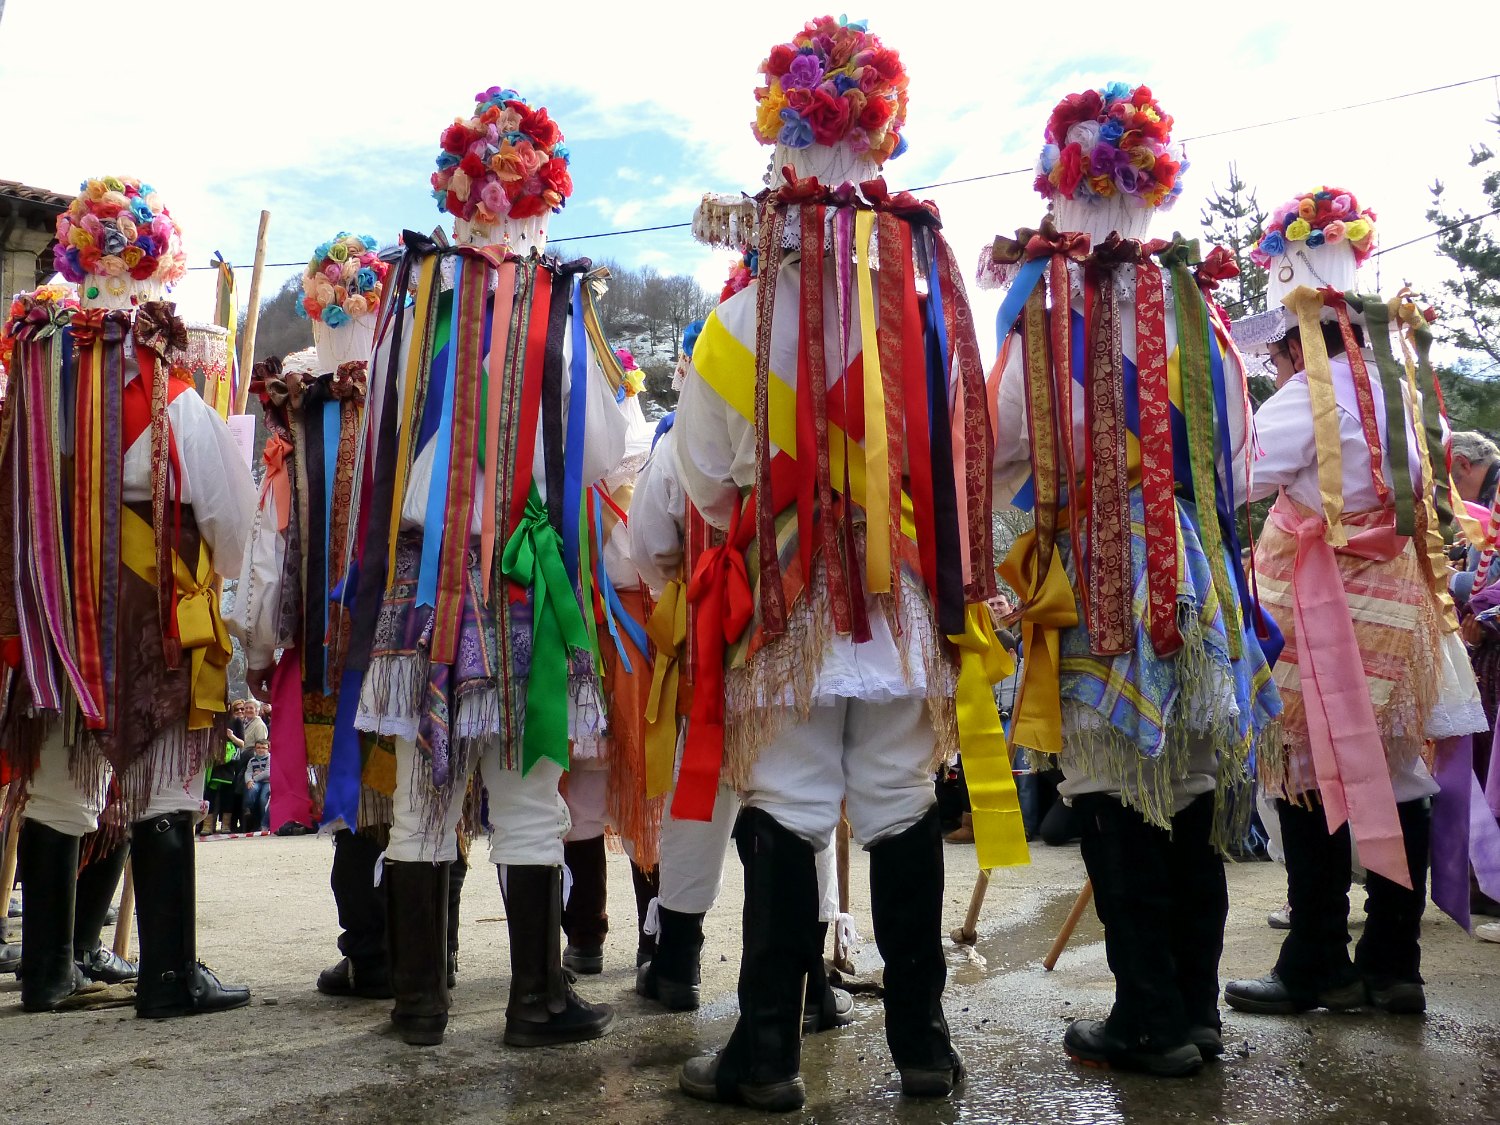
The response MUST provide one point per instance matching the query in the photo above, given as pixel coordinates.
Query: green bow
(1179, 252)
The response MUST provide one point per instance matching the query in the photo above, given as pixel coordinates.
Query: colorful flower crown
(343, 280)
(118, 228)
(741, 274)
(507, 161)
(635, 379)
(1114, 141)
(41, 304)
(833, 83)
(1324, 216)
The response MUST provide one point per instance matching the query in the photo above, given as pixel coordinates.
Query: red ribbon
(1218, 266)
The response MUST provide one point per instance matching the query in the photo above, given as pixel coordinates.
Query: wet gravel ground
(267, 919)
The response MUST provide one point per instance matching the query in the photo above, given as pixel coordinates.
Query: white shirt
(658, 516)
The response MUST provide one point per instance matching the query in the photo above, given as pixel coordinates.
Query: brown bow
(159, 329)
(1114, 250)
(1045, 242)
(922, 212)
(275, 386)
(348, 381)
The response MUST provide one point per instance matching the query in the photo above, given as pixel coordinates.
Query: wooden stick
(841, 960)
(968, 933)
(127, 913)
(252, 318)
(8, 862)
(1080, 904)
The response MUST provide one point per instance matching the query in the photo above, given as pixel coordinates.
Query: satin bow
(92, 325)
(1218, 266)
(1178, 252)
(794, 190)
(922, 212)
(1044, 242)
(1115, 250)
(348, 382)
(159, 329)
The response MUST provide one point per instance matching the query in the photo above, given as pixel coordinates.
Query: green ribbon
(1198, 415)
(533, 560)
(1432, 421)
(1377, 325)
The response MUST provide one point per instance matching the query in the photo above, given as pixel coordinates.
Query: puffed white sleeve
(217, 479)
(1285, 445)
(604, 424)
(257, 596)
(657, 517)
(1012, 463)
(705, 455)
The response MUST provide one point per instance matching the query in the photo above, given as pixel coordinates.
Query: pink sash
(1351, 768)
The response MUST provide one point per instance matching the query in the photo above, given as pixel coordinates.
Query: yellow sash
(668, 632)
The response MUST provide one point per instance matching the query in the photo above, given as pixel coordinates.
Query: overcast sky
(328, 114)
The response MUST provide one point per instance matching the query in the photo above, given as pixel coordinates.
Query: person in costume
(110, 611)
(492, 412)
(819, 675)
(1145, 672)
(1351, 562)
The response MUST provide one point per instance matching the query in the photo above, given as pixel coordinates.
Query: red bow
(348, 381)
(799, 191)
(904, 204)
(91, 325)
(1218, 266)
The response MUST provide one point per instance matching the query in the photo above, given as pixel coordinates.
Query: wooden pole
(1080, 904)
(968, 933)
(8, 862)
(841, 960)
(127, 913)
(252, 318)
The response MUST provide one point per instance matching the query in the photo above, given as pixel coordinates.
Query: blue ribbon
(346, 761)
(1015, 300)
(578, 373)
(615, 613)
(663, 426)
(332, 432)
(437, 491)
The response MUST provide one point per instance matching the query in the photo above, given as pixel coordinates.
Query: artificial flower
(795, 130)
(1114, 141)
(145, 269)
(1315, 238)
(1297, 230)
(338, 252)
(334, 316)
(1274, 244)
(1069, 170)
(828, 116)
(1334, 232)
(1358, 230)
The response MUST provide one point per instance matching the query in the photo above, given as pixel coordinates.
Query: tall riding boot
(1128, 863)
(1389, 953)
(647, 885)
(543, 1009)
(1313, 969)
(760, 1065)
(672, 974)
(364, 970)
(171, 981)
(417, 938)
(1200, 907)
(906, 906)
(96, 890)
(49, 871)
(584, 919)
(457, 873)
(824, 1007)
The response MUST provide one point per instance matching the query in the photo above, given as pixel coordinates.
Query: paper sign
(242, 426)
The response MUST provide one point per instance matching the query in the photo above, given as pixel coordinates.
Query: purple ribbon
(1464, 832)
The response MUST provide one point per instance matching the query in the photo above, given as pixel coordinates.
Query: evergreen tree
(1471, 310)
(1233, 219)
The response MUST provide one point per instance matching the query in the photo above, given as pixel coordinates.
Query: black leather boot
(1200, 907)
(364, 970)
(672, 974)
(584, 919)
(458, 871)
(96, 891)
(171, 981)
(417, 939)
(1128, 862)
(647, 885)
(824, 1007)
(1313, 969)
(1389, 953)
(906, 906)
(48, 862)
(760, 1066)
(543, 1009)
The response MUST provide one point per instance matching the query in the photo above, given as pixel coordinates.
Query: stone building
(28, 218)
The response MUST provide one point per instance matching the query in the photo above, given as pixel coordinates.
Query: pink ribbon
(1351, 768)
(289, 797)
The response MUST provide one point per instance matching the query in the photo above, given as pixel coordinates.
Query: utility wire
(1022, 171)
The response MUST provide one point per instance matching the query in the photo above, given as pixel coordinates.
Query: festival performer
(109, 593)
(492, 411)
(1351, 563)
(819, 670)
(666, 536)
(1144, 671)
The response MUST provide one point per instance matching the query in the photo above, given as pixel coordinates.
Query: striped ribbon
(879, 543)
(1307, 305)
(1378, 329)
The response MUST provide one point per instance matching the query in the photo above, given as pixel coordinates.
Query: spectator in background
(257, 777)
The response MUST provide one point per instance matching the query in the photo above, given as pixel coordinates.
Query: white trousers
(72, 806)
(873, 758)
(587, 797)
(528, 813)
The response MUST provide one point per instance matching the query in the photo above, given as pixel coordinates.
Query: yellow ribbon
(1307, 304)
(414, 353)
(667, 629)
(1036, 722)
(729, 368)
(200, 627)
(877, 450)
(999, 833)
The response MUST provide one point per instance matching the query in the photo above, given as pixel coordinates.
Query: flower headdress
(118, 228)
(1111, 142)
(41, 304)
(634, 380)
(833, 84)
(508, 161)
(1324, 216)
(343, 280)
(740, 275)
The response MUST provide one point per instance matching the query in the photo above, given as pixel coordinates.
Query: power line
(1023, 171)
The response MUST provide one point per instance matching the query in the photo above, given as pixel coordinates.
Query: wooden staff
(1080, 904)
(968, 933)
(252, 318)
(8, 862)
(841, 960)
(127, 913)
